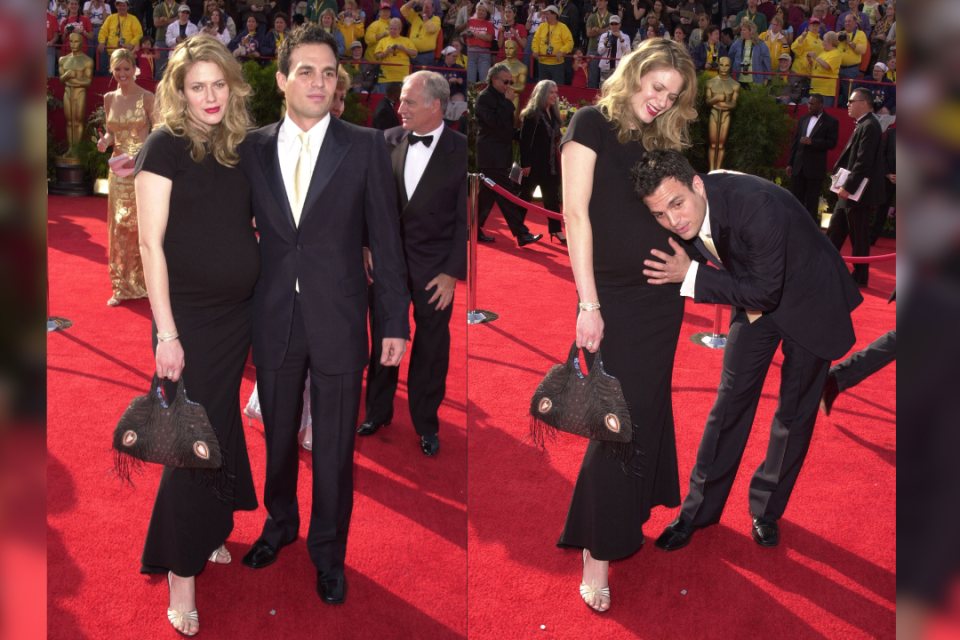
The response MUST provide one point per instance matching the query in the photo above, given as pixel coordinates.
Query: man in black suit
(318, 183)
(430, 170)
(889, 150)
(385, 114)
(495, 118)
(863, 158)
(817, 132)
(756, 249)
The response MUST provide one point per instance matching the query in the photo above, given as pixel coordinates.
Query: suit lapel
(270, 161)
(334, 148)
(841, 161)
(399, 159)
(719, 229)
(434, 175)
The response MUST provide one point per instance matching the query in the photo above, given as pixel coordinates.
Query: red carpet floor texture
(833, 574)
(406, 560)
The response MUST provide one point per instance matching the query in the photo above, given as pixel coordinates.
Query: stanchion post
(474, 315)
(715, 339)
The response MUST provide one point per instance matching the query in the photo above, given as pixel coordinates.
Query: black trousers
(746, 360)
(867, 362)
(880, 215)
(334, 407)
(512, 213)
(427, 375)
(853, 219)
(549, 189)
(807, 191)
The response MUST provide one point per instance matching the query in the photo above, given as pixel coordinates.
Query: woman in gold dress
(130, 114)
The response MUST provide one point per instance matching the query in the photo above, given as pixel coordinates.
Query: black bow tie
(426, 140)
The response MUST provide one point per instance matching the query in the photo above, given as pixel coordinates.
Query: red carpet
(406, 561)
(834, 573)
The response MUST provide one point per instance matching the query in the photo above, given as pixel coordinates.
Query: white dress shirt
(288, 150)
(812, 123)
(689, 280)
(418, 155)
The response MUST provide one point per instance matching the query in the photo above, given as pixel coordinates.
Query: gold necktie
(301, 177)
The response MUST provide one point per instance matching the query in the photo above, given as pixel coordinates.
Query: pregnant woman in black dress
(645, 104)
(201, 262)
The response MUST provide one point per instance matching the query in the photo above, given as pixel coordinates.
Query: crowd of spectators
(572, 42)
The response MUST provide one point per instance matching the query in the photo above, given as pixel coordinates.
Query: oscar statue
(722, 94)
(519, 71)
(76, 73)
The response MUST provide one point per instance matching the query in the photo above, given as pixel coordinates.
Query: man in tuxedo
(430, 170)
(863, 158)
(495, 118)
(318, 183)
(385, 115)
(755, 248)
(817, 132)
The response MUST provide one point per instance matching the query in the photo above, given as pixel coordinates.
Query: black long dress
(641, 327)
(538, 150)
(213, 262)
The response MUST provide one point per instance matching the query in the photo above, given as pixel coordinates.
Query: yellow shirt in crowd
(350, 32)
(847, 55)
(811, 42)
(776, 45)
(558, 36)
(826, 88)
(116, 27)
(376, 28)
(422, 34)
(393, 73)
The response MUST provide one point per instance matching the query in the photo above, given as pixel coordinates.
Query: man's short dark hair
(727, 32)
(298, 20)
(657, 166)
(496, 69)
(865, 94)
(817, 96)
(708, 32)
(307, 34)
(393, 90)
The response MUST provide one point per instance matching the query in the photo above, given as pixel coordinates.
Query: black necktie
(426, 140)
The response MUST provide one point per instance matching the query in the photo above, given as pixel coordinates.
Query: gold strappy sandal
(177, 618)
(219, 551)
(590, 592)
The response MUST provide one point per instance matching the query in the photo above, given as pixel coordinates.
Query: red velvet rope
(866, 259)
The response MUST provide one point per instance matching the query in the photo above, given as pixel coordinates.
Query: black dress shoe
(528, 238)
(368, 427)
(430, 445)
(830, 392)
(766, 533)
(332, 588)
(675, 536)
(260, 555)
(482, 237)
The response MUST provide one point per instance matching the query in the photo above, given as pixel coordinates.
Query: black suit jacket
(433, 223)
(536, 146)
(890, 152)
(811, 160)
(494, 129)
(777, 261)
(348, 191)
(384, 116)
(863, 158)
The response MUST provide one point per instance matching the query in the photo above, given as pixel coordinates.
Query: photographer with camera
(394, 49)
(479, 35)
(748, 54)
(378, 30)
(852, 46)
(424, 28)
(552, 40)
(612, 44)
(510, 29)
(706, 57)
(826, 63)
(182, 28)
(807, 42)
(75, 22)
(534, 19)
(350, 22)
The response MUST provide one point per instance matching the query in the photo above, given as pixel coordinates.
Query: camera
(842, 37)
(550, 50)
(417, 8)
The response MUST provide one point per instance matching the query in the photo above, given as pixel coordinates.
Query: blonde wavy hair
(122, 55)
(669, 130)
(223, 139)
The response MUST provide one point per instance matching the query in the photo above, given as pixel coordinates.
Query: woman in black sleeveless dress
(201, 262)
(645, 104)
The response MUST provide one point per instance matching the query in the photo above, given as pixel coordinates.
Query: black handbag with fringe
(591, 406)
(175, 434)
